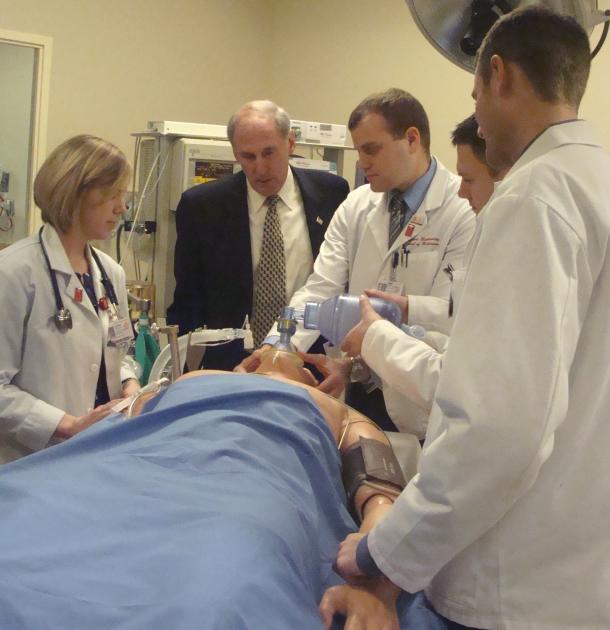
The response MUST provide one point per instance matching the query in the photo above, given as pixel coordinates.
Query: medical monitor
(196, 161)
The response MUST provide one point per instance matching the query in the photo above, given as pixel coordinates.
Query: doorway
(25, 68)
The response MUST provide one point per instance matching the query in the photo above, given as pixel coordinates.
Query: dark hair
(551, 49)
(400, 110)
(467, 132)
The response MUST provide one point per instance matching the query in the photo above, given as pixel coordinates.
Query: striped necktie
(398, 209)
(270, 278)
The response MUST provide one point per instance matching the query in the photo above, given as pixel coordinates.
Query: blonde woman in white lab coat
(64, 322)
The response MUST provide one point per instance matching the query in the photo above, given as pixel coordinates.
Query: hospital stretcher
(221, 507)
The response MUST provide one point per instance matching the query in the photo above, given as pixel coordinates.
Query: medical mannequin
(372, 600)
(64, 322)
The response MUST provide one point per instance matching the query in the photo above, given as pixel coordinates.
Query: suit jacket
(213, 261)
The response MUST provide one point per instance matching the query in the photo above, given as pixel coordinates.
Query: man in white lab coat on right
(507, 524)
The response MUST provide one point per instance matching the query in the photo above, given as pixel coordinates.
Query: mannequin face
(278, 364)
(287, 365)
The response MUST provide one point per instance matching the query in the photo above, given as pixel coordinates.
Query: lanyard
(106, 282)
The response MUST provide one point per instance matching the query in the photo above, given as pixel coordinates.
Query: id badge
(120, 332)
(390, 286)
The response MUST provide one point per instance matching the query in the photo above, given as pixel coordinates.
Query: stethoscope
(62, 317)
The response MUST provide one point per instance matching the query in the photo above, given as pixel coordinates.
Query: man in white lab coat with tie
(398, 232)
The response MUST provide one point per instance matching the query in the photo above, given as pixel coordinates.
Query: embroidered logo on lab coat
(424, 241)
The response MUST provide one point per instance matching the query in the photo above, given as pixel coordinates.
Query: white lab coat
(355, 256)
(45, 373)
(409, 368)
(507, 523)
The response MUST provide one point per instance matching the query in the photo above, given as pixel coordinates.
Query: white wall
(16, 70)
(119, 63)
(336, 52)
(333, 53)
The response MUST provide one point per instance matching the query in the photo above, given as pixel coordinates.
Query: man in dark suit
(247, 242)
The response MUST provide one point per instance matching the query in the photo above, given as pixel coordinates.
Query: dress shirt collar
(287, 194)
(416, 192)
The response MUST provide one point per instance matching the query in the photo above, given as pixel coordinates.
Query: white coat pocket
(113, 356)
(420, 272)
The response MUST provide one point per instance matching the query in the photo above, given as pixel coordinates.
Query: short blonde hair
(73, 168)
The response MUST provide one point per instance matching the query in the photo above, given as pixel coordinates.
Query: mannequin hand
(71, 425)
(335, 371)
(369, 606)
(402, 301)
(352, 344)
(251, 363)
(130, 386)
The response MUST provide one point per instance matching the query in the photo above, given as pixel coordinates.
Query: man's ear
(499, 77)
(291, 141)
(413, 137)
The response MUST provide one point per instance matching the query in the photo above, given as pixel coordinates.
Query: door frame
(43, 48)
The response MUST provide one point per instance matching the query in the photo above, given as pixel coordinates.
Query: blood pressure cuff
(374, 464)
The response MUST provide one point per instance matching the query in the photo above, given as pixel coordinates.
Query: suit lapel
(238, 225)
(378, 222)
(316, 222)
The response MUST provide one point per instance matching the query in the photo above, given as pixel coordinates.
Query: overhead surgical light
(456, 28)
